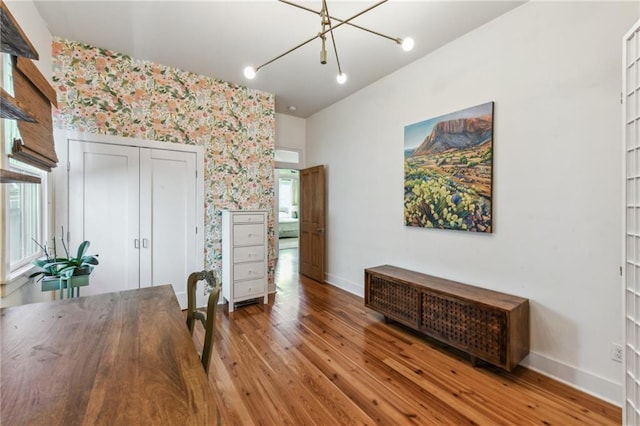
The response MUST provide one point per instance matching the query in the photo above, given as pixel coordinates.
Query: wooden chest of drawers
(244, 256)
(486, 324)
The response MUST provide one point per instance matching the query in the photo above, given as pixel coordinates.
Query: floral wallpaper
(104, 92)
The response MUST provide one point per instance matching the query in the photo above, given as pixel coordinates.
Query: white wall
(554, 72)
(24, 291)
(290, 133)
(34, 27)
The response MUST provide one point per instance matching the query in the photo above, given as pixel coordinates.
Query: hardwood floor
(316, 356)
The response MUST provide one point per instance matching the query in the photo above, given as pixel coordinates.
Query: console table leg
(474, 361)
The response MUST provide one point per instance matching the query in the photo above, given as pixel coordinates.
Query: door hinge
(68, 165)
(621, 271)
(196, 230)
(621, 98)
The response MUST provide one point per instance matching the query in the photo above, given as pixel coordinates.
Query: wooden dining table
(122, 358)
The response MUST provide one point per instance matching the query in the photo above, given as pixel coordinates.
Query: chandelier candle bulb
(407, 44)
(250, 73)
(341, 78)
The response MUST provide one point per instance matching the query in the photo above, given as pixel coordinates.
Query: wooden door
(104, 199)
(167, 219)
(312, 223)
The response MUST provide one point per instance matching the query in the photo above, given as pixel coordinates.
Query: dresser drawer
(248, 218)
(249, 288)
(245, 235)
(246, 271)
(248, 254)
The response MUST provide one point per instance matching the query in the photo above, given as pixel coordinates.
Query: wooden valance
(12, 39)
(31, 105)
(34, 92)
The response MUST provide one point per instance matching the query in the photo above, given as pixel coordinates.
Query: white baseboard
(346, 285)
(582, 380)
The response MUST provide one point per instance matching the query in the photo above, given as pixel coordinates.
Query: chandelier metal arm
(299, 6)
(335, 50)
(346, 21)
(333, 40)
(287, 52)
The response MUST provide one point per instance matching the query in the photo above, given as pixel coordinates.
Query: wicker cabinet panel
(469, 327)
(395, 300)
(486, 324)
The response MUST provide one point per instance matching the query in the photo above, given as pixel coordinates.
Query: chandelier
(327, 26)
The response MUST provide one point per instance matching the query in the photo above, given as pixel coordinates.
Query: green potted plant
(65, 272)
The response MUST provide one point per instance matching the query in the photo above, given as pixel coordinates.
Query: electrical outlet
(616, 353)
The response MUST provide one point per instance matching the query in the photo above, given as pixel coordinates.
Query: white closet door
(137, 207)
(168, 219)
(631, 114)
(104, 209)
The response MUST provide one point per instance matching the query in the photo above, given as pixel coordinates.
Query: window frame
(11, 271)
(19, 265)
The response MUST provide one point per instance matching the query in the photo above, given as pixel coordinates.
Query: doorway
(288, 202)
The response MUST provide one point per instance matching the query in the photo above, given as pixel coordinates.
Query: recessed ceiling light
(292, 108)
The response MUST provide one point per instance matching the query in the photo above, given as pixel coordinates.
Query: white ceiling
(220, 38)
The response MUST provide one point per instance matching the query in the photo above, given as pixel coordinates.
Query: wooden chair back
(209, 319)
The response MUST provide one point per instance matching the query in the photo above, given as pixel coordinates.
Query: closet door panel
(168, 219)
(104, 196)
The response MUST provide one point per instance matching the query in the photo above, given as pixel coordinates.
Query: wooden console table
(486, 324)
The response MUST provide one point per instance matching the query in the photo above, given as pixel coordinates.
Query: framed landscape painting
(448, 170)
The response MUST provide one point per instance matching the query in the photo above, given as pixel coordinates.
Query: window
(24, 223)
(288, 192)
(287, 155)
(23, 201)
(287, 158)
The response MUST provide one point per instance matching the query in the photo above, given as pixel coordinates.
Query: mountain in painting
(457, 134)
(409, 152)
